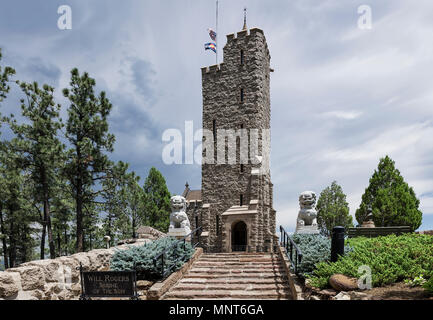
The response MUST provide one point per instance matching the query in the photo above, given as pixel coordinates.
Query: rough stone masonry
(235, 205)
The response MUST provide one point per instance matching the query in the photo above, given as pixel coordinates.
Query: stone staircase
(225, 276)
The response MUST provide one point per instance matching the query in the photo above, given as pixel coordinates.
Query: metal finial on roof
(245, 19)
(186, 184)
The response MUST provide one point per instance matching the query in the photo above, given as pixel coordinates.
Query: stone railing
(54, 279)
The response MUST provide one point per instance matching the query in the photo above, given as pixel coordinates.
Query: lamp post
(337, 243)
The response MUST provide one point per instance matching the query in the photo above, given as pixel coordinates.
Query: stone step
(236, 270)
(231, 286)
(237, 280)
(238, 266)
(227, 275)
(235, 263)
(226, 294)
(242, 255)
(240, 260)
(234, 259)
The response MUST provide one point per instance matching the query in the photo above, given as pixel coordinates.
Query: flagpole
(216, 41)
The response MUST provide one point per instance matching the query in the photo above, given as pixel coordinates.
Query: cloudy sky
(342, 97)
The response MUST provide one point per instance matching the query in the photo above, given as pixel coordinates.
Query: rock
(38, 295)
(82, 258)
(341, 282)
(53, 270)
(327, 293)
(32, 277)
(8, 287)
(355, 295)
(342, 296)
(70, 272)
(144, 284)
(314, 298)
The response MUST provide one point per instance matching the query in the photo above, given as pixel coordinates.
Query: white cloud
(344, 115)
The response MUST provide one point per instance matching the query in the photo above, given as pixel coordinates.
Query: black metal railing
(291, 249)
(165, 271)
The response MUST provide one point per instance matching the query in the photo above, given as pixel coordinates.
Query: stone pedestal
(179, 233)
(368, 224)
(307, 230)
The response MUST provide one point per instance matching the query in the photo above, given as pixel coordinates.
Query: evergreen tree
(5, 74)
(40, 150)
(333, 209)
(87, 132)
(156, 201)
(17, 216)
(390, 199)
(132, 196)
(113, 203)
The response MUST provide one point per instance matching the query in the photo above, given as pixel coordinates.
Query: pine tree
(156, 201)
(16, 212)
(113, 203)
(63, 209)
(333, 209)
(5, 74)
(133, 196)
(390, 199)
(40, 150)
(87, 132)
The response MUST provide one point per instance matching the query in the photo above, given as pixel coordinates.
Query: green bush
(391, 259)
(429, 286)
(315, 248)
(142, 256)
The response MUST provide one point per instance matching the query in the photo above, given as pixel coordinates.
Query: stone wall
(54, 279)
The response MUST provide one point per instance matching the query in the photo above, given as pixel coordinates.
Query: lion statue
(307, 215)
(178, 216)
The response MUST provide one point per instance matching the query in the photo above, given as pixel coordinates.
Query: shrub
(142, 256)
(315, 248)
(429, 286)
(391, 259)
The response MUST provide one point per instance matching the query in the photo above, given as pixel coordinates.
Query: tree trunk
(44, 235)
(59, 248)
(12, 246)
(5, 247)
(49, 229)
(134, 236)
(66, 241)
(47, 213)
(79, 201)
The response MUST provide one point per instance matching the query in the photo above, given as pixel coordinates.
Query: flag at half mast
(210, 46)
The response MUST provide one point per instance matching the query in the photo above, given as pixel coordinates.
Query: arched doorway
(239, 236)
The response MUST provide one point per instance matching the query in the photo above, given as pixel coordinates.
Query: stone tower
(235, 206)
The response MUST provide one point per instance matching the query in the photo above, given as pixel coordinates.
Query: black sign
(109, 284)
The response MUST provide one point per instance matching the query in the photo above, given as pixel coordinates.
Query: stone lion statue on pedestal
(179, 222)
(307, 217)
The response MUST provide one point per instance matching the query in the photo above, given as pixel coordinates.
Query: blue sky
(342, 97)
